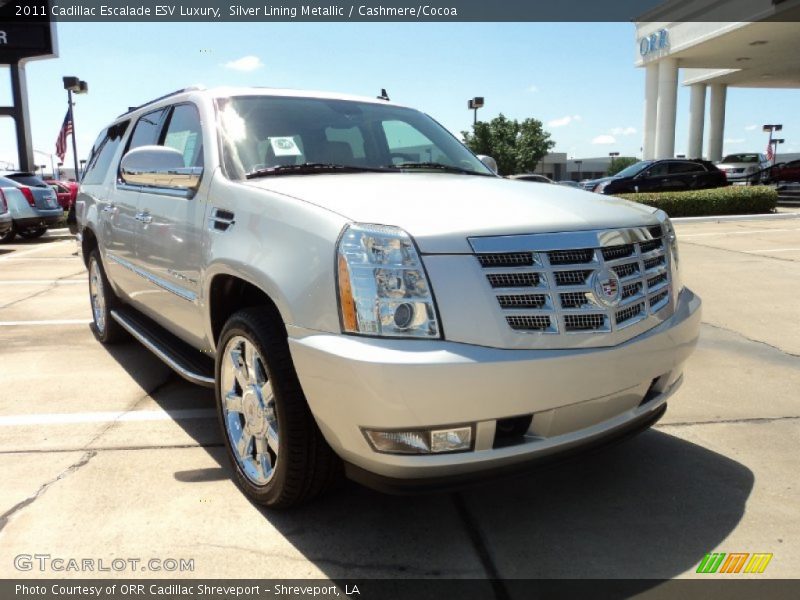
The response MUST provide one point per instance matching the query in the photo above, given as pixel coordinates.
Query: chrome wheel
(248, 407)
(97, 296)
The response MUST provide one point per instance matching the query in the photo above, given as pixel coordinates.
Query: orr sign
(653, 43)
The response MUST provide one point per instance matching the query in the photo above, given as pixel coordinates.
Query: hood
(732, 165)
(440, 210)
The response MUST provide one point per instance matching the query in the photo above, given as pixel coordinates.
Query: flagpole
(74, 144)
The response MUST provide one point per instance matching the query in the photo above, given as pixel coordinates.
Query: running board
(191, 364)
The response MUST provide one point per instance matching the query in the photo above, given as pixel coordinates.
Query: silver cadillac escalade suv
(367, 297)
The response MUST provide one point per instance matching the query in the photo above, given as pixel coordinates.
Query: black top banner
(401, 10)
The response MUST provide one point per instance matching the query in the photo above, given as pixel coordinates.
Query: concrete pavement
(107, 454)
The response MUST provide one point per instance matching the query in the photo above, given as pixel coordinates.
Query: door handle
(145, 217)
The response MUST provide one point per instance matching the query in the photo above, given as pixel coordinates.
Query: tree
(517, 147)
(620, 162)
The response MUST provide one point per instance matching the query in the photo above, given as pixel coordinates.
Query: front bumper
(576, 396)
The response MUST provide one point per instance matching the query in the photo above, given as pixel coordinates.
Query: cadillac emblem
(606, 288)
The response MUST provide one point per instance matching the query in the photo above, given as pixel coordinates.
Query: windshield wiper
(307, 168)
(439, 167)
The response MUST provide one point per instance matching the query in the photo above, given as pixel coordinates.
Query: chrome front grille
(541, 286)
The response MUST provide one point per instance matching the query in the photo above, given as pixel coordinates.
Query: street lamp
(73, 84)
(474, 105)
(774, 145)
(579, 163)
(771, 129)
(83, 166)
(613, 155)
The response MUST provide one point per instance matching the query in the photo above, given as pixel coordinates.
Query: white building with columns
(759, 51)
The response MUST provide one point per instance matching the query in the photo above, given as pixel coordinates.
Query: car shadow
(650, 507)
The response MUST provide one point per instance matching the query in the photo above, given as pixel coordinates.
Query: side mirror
(159, 166)
(488, 161)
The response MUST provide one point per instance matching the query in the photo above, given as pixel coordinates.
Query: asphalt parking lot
(105, 453)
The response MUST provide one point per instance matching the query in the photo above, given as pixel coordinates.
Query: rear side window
(657, 170)
(185, 135)
(677, 168)
(103, 152)
(29, 180)
(147, 129)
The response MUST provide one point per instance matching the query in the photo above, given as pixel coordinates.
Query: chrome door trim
(188, 295)
(161, 191)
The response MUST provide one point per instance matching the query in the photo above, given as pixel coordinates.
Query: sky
(579, 79)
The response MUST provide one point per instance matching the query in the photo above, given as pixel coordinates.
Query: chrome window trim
(161, 191)
(157, 281)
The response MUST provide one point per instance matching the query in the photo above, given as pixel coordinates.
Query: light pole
(474, 105)
(579, 163)
(771, 129)
(774, 144)
(83, 166)
(73, 84)
(613, 155)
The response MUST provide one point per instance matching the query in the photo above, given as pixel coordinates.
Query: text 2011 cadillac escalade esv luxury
(366, 296)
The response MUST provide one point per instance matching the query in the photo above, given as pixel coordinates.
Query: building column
(650, 108)
(667, 107)
(697, 115)
(716, 126)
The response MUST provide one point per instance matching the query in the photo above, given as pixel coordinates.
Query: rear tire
(103, 300)
(278, 454)
(32, 234)
(8, 236)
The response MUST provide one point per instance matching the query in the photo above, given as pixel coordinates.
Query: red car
(66, 191)
(785, 172)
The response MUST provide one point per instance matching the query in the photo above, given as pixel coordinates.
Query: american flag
(61, 140)
(770, 151)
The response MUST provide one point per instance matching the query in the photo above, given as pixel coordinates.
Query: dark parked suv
(667, 175)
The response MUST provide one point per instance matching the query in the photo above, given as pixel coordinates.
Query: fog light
(425, 441)
(399, 442)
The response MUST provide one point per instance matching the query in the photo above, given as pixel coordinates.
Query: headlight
(752, 169)
(598, 189)
(672, 242)
(383, 288)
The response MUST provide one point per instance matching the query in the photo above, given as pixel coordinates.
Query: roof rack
(192, 88)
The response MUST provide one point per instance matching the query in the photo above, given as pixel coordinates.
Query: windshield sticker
(284, 146)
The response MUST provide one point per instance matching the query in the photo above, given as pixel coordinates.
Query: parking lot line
(770, 250)
(106, 417)
(16, 255)
(726, 233)
(42, 281)
(47, 322)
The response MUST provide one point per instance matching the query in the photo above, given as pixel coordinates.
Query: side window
(657, 170)
(185, 135)
(677, 168)
(102, 153)
(147, 128)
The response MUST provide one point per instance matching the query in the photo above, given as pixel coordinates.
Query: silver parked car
(6, 223)
(32, 203)
(365, 296)
(748, 167)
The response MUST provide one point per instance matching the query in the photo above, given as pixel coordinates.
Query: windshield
(741, 158)
(265, 135)
(634, 169)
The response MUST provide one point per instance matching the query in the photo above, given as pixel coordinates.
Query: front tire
(279, 456)
(103, 300)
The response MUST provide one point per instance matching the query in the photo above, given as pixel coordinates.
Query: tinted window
(685, 167)
(103, 152)
(657, 170)
(29, 180)
(147, 128)
(184, 134)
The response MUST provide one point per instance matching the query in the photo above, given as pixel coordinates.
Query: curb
(723, 218)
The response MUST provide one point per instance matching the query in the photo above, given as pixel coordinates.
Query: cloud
(533, 89)
(564, 121)
(751, 127)
(623, 130)
(246, 63)
(604, 139)
(735, 140)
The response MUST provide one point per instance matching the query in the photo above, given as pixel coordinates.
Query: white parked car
(365, 295)
(748, 167)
